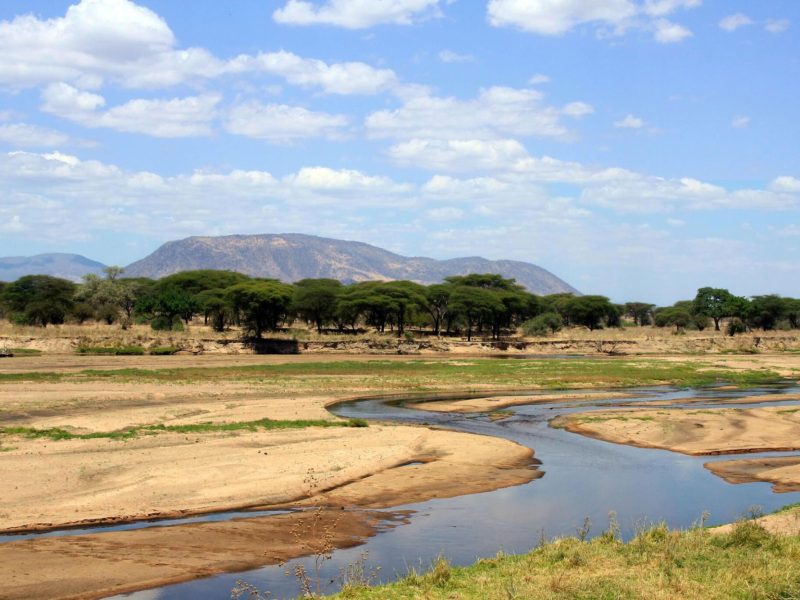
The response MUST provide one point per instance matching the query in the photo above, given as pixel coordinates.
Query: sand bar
(781, 471)
(479, 405)
(694, 432)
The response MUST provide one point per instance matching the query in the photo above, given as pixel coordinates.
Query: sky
(638, 149)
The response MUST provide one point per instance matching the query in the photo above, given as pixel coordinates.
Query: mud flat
(693, 432)
(480, 405)
(783, 472)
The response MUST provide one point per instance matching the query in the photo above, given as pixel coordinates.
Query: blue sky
(636, 148)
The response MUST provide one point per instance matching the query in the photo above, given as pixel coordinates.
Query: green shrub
(735, 325)
(112, 350)
(164, 350)
(544, 324)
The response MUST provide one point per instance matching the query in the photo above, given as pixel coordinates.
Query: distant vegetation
(468, 305)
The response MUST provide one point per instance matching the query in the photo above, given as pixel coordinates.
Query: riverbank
(744, 560)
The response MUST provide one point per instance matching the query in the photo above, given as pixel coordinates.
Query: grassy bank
(747, 563)
(430, 375)
(58, 433)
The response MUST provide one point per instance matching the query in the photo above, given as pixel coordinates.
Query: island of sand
(707, 432)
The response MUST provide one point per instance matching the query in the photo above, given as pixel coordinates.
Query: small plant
(164, 350)
(545, 324)
(735, 325)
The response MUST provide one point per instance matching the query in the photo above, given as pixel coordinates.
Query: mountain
(293, 256)
(67, 266)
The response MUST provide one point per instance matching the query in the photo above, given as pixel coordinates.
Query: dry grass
(748, 562)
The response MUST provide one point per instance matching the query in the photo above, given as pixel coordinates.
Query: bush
(165, 324)
(164, 350)
(112, 350)
(735, 325)
(542, 325)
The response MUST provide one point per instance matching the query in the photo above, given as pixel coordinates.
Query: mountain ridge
(57, 264)
(293, 256)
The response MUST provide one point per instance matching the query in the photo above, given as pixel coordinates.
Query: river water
(583, 478)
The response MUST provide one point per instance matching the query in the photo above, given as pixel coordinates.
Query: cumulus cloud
(119, 40)
(785, 183)
(609, 17)
(25, 135)
(355, 14)
(576, 110)
(282, 123)
(176, 117)
(336, 78)
(630, 122)
(667, 32)
(458, 155)
(735, 21)
(494, 114)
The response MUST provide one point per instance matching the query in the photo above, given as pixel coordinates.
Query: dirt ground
(786, 522)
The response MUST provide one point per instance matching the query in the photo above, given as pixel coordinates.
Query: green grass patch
(432, 375)
(58, 433)
(112, 350)
(22, 351)
(164, 350)
(748, 563)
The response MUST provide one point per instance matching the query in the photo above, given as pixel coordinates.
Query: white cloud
(119, 40)
(445, 213)
(777, 25)
(557, 17)
(448, 56)
(785, 183)
(539, 79)
(25, 135)
(667, 32)
(336, 78)
(282, 123)
(177, 117)
(458, 155)
(660, 8)
(735, 21)
(495, 113)
(355, 14)
(630, 122)
(576, 110)
(608, 17)
(741, 121)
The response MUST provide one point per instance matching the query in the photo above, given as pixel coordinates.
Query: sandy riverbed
(479, 405)
(694, 432)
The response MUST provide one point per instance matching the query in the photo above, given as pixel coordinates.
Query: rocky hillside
(67, 266)
(293, 256)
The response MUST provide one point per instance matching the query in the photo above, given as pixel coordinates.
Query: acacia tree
(673, 315)
(713, 303)
(438, 300)
(406, 297)
(766, 311)
(39, 299)
(315, 300)
(590, 311)
(474, 304)
(640, 312)
(261, 304)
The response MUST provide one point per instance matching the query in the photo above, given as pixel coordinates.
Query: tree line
(469, 305)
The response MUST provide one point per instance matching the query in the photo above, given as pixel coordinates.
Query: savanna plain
(90, 440)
